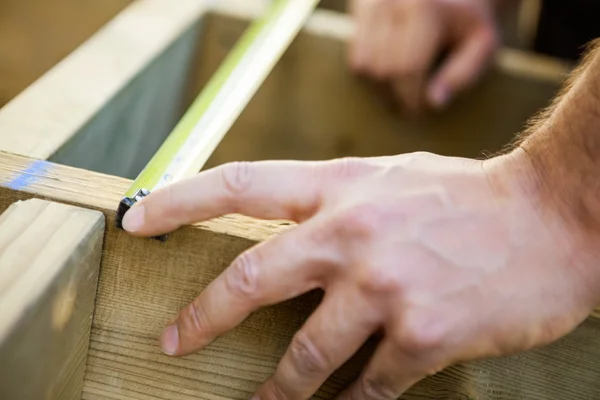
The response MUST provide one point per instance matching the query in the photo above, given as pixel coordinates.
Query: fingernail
(439, 96)
(169, 341)
(134, 218)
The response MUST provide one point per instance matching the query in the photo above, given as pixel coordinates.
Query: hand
(400, 40)
(449, 259)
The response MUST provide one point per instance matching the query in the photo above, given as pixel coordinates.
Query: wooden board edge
(44, 179)
(533, 66)
(50, 261)
(56, 106)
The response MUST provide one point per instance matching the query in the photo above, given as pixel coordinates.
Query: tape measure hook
(128, 202)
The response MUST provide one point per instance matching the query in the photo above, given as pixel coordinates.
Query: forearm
(563, 143)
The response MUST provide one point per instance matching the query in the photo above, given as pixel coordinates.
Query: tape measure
(221, 101)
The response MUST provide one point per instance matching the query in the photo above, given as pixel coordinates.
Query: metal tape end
(128, 202)
(124, 206)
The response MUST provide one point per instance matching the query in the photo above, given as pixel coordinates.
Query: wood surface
(313, 107)
(36, 34)
(143, 283)
(142, 70)
(49, 261)
(109, 104)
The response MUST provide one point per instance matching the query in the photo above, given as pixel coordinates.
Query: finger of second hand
(279, 269)
(387, 376)
(384, 43)
(337, 329)
(362, 43)
(416, 43)
(462, 68)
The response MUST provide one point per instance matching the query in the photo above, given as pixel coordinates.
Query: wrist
(524, 180)
(563, 148)
(562, 180)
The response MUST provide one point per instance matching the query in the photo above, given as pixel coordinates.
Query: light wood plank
(49, 261)
(37, 34)
(143, 283)
(86, 92)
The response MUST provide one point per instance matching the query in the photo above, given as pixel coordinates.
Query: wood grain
(49, 261)
(143, 283)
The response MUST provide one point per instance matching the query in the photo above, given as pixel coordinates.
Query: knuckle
(175, 208)
(243, 275)
(273, 390)
(306, 356)
(175, 211)
(421, 155)
(194, 319)
(169, 197)
(347, 167)
(379, 280)
(421, 334)
(237, 177)
(377, 388)
(360, 220)
(414, 160)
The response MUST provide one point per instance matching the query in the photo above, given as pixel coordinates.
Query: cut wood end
(37, 239)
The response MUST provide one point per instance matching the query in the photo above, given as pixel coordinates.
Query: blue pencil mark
(25, 178)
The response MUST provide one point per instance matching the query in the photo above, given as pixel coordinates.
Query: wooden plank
(98, 90)
(144, 283)
(49, 260)
(325, 111)
(37, 34)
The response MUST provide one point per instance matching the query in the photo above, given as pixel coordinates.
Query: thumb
(462, 68)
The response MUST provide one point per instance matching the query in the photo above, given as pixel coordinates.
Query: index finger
(267, 189)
